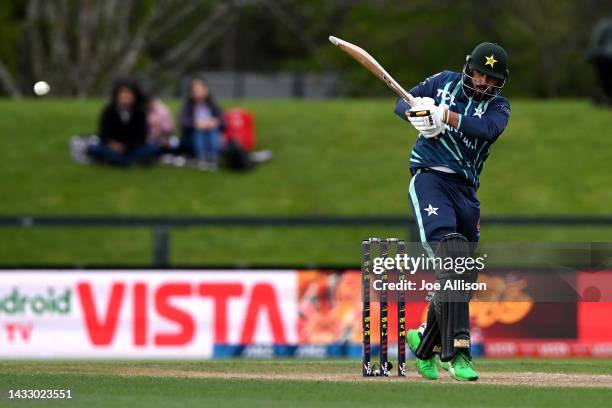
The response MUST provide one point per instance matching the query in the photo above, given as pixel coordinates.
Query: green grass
(101, 384)
(331, 157)
(292, 366)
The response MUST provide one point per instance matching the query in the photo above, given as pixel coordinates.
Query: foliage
(546, 41)
(81, 46)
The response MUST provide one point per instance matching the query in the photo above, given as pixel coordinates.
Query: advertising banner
(143, 314)
(267, 313)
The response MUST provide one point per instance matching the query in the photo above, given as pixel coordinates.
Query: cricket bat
(373, 66)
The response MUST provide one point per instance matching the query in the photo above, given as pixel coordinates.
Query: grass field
(299, 383)
(331, 157)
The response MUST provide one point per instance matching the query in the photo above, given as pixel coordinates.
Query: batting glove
(428, 118)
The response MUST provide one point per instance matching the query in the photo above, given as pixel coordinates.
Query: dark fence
(162, 225)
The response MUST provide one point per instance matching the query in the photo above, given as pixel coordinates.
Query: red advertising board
(142, 314)
(208, 313)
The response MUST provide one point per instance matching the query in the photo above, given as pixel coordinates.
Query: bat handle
(410, 100)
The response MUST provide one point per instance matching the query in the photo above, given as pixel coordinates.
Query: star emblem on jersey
(478, 112)
(431, 210)
(490, 60)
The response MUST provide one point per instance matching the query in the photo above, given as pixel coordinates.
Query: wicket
(367, 247)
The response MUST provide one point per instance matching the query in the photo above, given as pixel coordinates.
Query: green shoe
(427, 368)
(461, 368)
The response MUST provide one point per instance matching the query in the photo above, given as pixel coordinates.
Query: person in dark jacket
(600, 55)
(202, 125)
(123, 129)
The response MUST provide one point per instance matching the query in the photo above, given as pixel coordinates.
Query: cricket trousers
(443, 203)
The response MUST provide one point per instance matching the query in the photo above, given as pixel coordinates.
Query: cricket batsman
(459, 115)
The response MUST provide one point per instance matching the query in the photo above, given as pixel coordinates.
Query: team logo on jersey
(490, 60)
(478, 112)
(446, 95)
(431, 210)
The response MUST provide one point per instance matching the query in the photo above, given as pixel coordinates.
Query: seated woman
(123, 129)
(202, 124)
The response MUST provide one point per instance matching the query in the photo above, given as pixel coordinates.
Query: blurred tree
(10, 31)
(79, 46)
(545, 39)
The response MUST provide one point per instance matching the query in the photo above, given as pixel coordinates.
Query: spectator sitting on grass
(161, 124)
(123, 129)
(201, 124)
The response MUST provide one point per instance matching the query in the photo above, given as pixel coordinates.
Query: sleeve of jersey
(490, 126)
(425, 88)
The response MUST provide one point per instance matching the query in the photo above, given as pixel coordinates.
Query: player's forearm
(474, 127)
(453, 119)
(401, 106)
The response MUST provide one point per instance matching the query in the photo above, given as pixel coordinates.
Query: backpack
(236, 157)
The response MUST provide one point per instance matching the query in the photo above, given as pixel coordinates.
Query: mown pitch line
(532, 379)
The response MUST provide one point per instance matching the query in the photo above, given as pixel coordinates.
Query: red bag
(240, 127)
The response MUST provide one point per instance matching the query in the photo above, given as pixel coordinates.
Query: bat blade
(365, 59)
